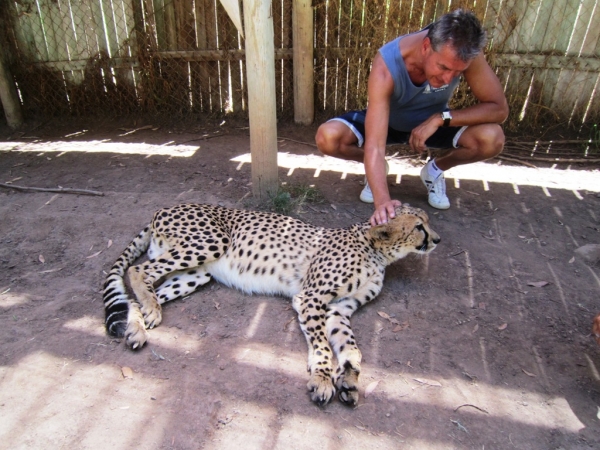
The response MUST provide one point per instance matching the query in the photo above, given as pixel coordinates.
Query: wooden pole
(9, 96)
(260, 73)
(304, 100)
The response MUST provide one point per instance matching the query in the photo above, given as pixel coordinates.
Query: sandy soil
(494, 350)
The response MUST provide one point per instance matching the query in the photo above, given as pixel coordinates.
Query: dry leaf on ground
(42, 259)
(93, 255)
(503, 326)
(400, 327)
(428, 382)
(370, 388)
(127, 372)
(538, 283)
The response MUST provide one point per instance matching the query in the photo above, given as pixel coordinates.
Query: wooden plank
(505, 26)
(159, 22)
(565, 14)
(527, 13)
(319, 78)
(258, 26)
(592, 39)
(199, 70)
(338, 75)
(552, 62)
(96, 22)
(214, 96)
(277, 17)
(186, 25)
(287, 66)
(79, 48)
(561, 100)
(86, 23)
(304, 105)
(585, 83)
(170, 25)
(233, 78)
(331, 9)
(8, 96)
(25, 24)
(592, 114)
(110, 28)
(581, 26)
(353, 59)
(40, 34)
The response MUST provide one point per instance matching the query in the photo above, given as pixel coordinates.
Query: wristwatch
(446, 117)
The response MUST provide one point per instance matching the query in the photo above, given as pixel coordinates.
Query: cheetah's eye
(420, 227)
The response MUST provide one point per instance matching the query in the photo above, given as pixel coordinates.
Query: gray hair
(462, 31)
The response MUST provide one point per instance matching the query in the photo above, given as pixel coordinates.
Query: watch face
(446, 115)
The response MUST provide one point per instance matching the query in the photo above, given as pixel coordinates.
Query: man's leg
(335, 138)
(476, 143)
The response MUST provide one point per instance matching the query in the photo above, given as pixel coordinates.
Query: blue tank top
(411, 105)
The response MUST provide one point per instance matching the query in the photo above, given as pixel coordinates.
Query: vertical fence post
(9, 96)
(304, 100)
(260, 73)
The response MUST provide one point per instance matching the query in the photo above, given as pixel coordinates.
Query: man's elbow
(502, 111)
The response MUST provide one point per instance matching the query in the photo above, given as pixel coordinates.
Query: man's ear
(426, 46)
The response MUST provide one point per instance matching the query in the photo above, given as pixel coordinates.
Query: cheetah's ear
(380, 232)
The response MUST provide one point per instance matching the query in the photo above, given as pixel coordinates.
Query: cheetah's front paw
(136, 335)
(348, 394)
(321, 388)
(347, 385)
(152, 315)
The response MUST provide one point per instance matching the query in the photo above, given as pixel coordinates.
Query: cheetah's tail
(116, 300)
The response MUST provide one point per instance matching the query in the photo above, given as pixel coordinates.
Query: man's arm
(491, 107)
(380, 88)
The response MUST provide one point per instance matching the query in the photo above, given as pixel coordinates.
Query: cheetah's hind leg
(182, 283)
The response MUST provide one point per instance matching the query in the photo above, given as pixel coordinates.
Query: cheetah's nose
(437, 240)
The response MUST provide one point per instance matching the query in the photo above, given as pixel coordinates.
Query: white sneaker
(366, 196)
(436, 189)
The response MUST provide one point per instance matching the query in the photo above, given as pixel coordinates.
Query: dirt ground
(485, 343)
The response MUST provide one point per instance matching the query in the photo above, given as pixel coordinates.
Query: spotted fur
(328, 272)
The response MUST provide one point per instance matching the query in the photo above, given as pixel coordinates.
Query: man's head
(451, 44)
(462, 31)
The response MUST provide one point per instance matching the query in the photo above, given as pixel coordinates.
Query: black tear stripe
(423, 246)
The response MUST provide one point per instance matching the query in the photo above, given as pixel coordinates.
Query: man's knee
(488, 139)
(493, 140)
(328, 140)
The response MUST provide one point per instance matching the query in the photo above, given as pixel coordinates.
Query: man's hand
(421, 133)
(384, 211)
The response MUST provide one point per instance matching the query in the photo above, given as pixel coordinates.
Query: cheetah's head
(408, 232)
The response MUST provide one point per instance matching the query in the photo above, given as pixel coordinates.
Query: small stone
(590, 253)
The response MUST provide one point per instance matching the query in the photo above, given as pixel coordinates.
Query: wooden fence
(181, 57)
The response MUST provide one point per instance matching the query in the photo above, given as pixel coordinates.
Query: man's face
(442, 66)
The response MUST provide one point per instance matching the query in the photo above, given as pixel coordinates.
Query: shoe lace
(438, 186)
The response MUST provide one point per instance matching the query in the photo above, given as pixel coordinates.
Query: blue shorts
(444, 137)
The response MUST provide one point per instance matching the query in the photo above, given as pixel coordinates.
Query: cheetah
(328, 272)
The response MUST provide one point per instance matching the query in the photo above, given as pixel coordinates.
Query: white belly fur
(224, 271)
